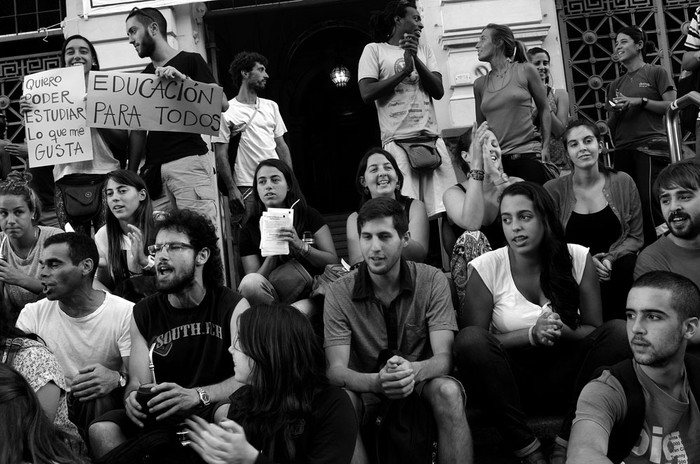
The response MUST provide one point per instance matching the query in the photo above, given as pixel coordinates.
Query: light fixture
(340, 76)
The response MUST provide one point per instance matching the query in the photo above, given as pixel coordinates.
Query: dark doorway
(329, 127)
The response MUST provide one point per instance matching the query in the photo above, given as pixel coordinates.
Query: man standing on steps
(261, 129)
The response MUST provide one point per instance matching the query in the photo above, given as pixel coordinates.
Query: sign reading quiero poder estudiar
(56, 130)
(147, 102)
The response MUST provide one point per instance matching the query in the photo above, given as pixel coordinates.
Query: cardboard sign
(56, 129)
(146, 102)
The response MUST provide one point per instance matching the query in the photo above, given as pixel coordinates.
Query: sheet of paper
(270, 223)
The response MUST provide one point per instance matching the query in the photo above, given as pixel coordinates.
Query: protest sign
(148, 102)
(56, 130)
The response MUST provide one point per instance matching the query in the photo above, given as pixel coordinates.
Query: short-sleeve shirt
(191, 343)
(101, 337)
(664, 255)
(257, 140)
(692, 40)
(15, 297)
(636, 125)
(39, 367)
(354, 316)
(162, 146)
(511, 310)
(408, 111)
(250, 237)
(671, 431)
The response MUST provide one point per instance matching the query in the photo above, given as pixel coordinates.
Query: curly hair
(244, 61)
(382, 22)
(142, 218)
(26, 434)
(17, 183)
(288, 369)
(202, 234)
(556, 278)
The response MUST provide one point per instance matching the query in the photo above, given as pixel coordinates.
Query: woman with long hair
(276, 186)
(558, 100)
(532, 333)
(21, 243)
(123, 240)
(30, 357)
(504, 96)
(84, 179)
(600, 209)
(286, 412)
(378, 175)
(472, 205)
(637, 102)
(26, 434)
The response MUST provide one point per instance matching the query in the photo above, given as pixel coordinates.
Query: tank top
(597, 231)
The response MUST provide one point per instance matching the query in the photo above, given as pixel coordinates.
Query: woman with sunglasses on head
(84, 179)
(378, 175)
(472, 205)
(558, 100)
(285, 412)
(600, 209)
(636, 104)
(122, 242)
(276, 186)
(504, 96)
(532, 331)
(21, 244)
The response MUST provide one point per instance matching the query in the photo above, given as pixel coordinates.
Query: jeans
(511, 383)
(644, 169)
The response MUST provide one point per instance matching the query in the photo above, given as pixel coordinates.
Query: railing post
(673, 126)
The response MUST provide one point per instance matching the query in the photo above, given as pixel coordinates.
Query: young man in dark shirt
(187, 173)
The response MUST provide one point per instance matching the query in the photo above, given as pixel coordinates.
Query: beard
(148, 46)
(688, 230)
(175, 283)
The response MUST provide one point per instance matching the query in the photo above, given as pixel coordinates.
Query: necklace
(31, 250)
(502, 75)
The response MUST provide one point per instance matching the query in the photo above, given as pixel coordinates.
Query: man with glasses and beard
(678, 189)
(645, 409)
(184, 330)
(187, 174)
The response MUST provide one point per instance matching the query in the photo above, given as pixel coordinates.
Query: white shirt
(101, 337)
(511, 310)
(258, 139)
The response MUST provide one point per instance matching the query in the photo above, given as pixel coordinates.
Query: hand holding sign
(54, 116)
(148, 102)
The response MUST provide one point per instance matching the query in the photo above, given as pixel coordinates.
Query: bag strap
(12, 346)
(624, 435)
(245, 126)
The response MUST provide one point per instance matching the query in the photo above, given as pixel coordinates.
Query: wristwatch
(645, 100)
(122, 380)
(203, 396)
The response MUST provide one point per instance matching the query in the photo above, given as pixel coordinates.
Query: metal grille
(12, 72)
(588, 27)
(23, 16)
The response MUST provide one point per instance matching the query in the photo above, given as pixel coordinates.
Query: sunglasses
(136, 10)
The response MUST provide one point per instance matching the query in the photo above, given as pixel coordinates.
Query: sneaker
(558, 455)
(536, 457)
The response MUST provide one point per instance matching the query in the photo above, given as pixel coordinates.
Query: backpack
(624, 434)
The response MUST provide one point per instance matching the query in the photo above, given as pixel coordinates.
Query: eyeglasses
(169, 247)
(136, 10)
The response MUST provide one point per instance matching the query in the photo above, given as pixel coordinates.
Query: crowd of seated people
(133, 336)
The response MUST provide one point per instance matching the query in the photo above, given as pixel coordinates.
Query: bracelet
(305, 250)
(531, 336)
(476, 174)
